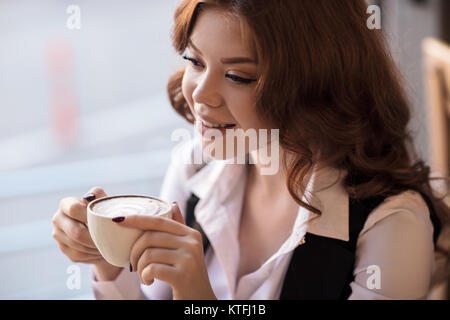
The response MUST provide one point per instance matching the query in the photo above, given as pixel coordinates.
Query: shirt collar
(218, 177)
(324, 191)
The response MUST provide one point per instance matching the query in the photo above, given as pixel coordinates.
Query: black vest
(321, 268)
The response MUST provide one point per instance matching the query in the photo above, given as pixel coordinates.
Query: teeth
(212, 125)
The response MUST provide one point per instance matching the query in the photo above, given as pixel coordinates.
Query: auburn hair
(336, 96)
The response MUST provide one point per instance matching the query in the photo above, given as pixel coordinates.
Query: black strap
(323, 267)
(434, 217)
(192, 222)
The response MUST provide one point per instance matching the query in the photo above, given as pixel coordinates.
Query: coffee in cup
(113, 240)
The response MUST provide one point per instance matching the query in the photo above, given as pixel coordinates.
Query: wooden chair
(437, 75)
(436, 55)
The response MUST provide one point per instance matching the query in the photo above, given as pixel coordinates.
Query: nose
(207, 92)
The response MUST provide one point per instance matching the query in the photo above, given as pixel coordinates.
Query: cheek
(246, 115)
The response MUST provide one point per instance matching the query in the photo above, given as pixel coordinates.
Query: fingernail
(174, 202)
(118, 219)
(131, 267)
(89, 197)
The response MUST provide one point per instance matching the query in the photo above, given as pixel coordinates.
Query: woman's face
(220, 78)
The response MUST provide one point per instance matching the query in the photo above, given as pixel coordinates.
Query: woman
(348, 214)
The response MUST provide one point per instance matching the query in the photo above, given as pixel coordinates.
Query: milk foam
(123, 206)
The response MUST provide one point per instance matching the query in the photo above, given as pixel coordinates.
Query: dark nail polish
(89, 197)
(131, 267)
(118, 219)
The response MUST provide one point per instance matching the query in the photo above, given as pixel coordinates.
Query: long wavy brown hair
(336, 95)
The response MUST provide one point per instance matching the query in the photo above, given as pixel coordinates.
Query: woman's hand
(70, 231)
(72, 235)
(170, 251)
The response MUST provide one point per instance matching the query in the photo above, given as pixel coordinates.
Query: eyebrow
(234, 60)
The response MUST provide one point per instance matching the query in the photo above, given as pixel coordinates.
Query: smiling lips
(203, 127)
(212, 125)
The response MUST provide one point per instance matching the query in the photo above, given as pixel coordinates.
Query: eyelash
(233, 77)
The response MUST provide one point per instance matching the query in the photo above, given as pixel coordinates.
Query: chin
(213, 151)
(210, 151)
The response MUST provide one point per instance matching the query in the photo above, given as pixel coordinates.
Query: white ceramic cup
(113, 240)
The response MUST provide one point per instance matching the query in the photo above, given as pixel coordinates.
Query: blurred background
(87, 106)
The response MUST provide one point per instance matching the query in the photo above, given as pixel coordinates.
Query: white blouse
(395, 244)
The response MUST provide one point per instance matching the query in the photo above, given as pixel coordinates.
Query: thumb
(176, 214)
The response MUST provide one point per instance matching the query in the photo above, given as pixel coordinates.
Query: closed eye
(239, 79)
(234, 78)
(194, 62)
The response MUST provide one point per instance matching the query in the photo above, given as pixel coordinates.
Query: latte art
(123, 206)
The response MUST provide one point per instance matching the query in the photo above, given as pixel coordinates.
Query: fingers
(75, 230)
(60, 236)
(155, 223)
(159, 271)
(74, 208)
(92, 194)
(70, 231)
(153, 239)
(176, 214)
(77, 256)
(156, 255)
